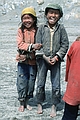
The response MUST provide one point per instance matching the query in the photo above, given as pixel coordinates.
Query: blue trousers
(26, 76)
(70, 112)
(43, 68)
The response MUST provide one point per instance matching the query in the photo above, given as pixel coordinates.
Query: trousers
(26, 76)
(70, 112)
(43, 68)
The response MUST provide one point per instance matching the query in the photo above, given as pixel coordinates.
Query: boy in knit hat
(54, 40)
(26, 74)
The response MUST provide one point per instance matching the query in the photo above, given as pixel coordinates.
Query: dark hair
(35, 22)
(78, 39)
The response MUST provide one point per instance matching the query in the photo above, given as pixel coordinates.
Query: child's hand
(54, 60)
(36, 46)
(47, 59)
(20, 58)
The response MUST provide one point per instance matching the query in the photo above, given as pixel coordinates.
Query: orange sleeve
(68, 62)
(67, 68)
(21, 44)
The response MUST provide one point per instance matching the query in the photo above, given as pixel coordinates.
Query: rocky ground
(8, 68)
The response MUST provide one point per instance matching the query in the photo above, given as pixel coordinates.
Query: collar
(32, 30)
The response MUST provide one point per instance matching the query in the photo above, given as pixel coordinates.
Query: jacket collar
(56, 25)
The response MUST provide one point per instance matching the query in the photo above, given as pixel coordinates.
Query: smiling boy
(54, 40)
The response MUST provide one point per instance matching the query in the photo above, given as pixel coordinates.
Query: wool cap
(28, 10)
(55, 7)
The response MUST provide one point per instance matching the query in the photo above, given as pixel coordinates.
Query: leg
(39, 109)
(40, 93)
(27, 105)
(21, 108)
(53, 111)
(70, 112)
(55, 80)
(31, 84)
(32, 79)
(22, 83)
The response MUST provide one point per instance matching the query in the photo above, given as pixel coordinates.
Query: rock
(40, 2)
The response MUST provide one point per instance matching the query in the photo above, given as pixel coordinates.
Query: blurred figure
(72, 94)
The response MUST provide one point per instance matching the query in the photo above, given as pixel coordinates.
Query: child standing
(26, 74)
(72, 77)
(54, 40)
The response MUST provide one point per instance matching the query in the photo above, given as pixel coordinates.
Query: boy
(54, 40)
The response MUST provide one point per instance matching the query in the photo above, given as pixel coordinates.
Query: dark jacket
(60, 41)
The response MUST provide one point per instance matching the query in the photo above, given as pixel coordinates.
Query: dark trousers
(70, 112)
(26, 76)
(43, 68)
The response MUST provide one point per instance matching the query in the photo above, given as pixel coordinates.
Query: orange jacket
(72, 94)
(23, 42)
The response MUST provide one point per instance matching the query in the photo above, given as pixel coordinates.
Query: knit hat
(55, 7)
(28, 10)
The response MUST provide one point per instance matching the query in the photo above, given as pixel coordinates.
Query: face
(27, 21)
(53, 16)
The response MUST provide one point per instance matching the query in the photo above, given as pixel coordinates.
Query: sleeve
(39, 40)
(21, 44)
(68, 62)
(67, 68)
(64, 43)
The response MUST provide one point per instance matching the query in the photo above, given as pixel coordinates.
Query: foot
(39, 109)
(53, 111)
(21, 108)
(29, 107)
(26, 104)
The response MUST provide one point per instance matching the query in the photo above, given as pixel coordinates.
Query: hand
(47, 59)
(21, 58)
(36, 46)
(54, 60)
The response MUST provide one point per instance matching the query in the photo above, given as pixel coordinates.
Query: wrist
(32, 46)
(56, 58)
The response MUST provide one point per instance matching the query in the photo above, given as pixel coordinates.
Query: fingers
(54, 60)
(37, 46)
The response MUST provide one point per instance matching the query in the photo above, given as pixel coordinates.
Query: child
(26, 74)
(54, 40)
(72, 94)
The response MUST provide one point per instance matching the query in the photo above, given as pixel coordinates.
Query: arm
(68, 62)
(20, 41)
(67, 68)
(39, 40)
(22, 45)
(64, 43)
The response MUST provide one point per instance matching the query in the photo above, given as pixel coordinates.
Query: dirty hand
(54, 60)
(36, 46)
(21, 58)
(47, 59)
